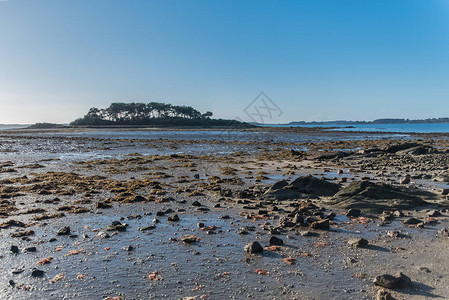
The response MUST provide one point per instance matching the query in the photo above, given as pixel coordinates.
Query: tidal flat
(271, 213)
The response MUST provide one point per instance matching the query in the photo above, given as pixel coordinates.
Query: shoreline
(235, 196)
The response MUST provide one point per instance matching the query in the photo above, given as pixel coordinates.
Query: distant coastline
(377, 121)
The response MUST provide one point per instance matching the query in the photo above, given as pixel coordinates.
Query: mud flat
(280, 215)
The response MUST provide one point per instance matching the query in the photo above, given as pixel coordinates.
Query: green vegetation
(152, 113)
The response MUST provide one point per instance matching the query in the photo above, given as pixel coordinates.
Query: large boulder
(418, 150)
(313, 185)
(399, 147)
(282, 194)
(329, 155)
(373, 197)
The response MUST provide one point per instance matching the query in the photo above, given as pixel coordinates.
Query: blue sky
(316, 59)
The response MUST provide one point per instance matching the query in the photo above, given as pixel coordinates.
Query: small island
(153, 114)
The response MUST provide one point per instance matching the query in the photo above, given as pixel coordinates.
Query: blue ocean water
(402, 128)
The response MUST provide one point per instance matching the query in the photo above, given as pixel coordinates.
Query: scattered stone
(412, 221)
(405, 179)
(298, 219)
(394, 233)
(22, 233)
(103, 235)
(276, 241)
(173, 218)
(353, 212)
(117, 226)
(14, 249)
(434, 214)
(322, 225)
(128, 248)
(393, 282)
(384, 295)
(387, 216)
(17, 271)
(357, 242)
(190, 239)
(103, 205)
(145, 228)
(63, 231)
(253, 247)
(12, 223)
(304, 233)
(37, 273)
(30, 249)
(196, 203)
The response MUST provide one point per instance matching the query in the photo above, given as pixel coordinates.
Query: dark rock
(330, 155)
(282, 194)
(444, 232)
(128, 248)
(14, 249)
(12, 223)
(23, 233)
(353, 212)
(17, 271)
(160, 213)
(253, 247)
(30, 249)
(196, 203)
(393, 282)
(37, 273)
(358, 242)
(387, 216)
(322, 225)
(173, 218)
(298, 219)
(145, 228)
(376, 197)
(102, 205)
(400, 147)
(312, 185)
(418, 150)
(384, 295)
(63, 231)
(412, 221)
(276, 241)
(278, 185)
(405, 180)
(434, 214)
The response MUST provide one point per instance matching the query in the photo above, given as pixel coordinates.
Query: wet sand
(118, 194)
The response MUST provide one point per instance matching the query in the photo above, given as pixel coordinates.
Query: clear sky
(316, 59)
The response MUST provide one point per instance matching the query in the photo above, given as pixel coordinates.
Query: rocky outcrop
(282, 190)
(313, 185)
(376, 197)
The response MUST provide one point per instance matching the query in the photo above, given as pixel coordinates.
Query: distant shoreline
(377, 121)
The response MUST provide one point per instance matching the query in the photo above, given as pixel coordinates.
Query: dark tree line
(141, 114)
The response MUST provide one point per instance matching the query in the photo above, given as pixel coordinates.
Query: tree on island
(152, 113)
